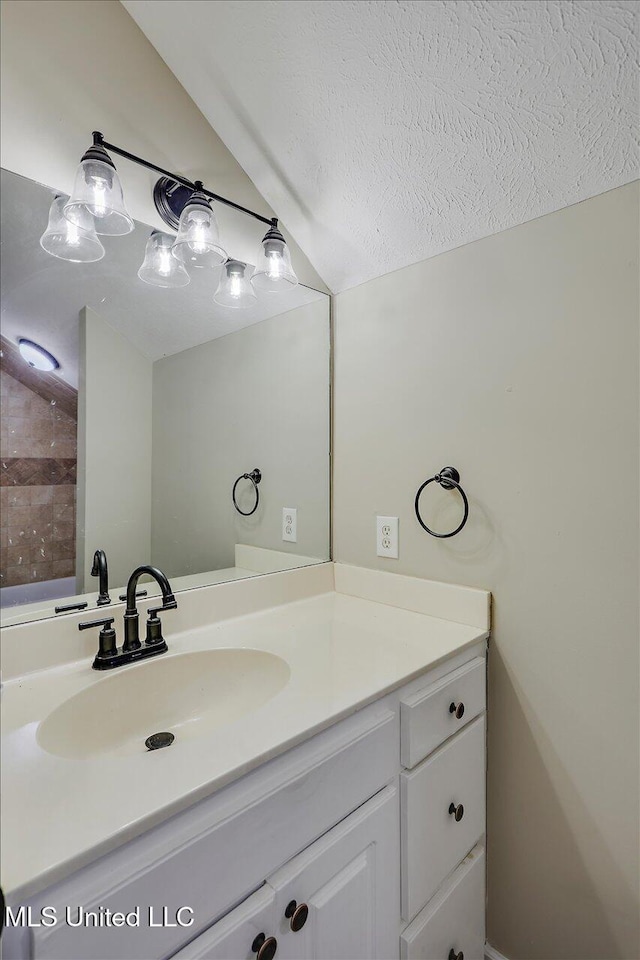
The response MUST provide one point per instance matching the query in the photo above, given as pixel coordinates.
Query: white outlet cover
(290, 524)
(387, 537)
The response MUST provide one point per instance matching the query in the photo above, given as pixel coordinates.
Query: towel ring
(449, 479)
(255, 476)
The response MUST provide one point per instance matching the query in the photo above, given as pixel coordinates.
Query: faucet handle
(96, 623)
(107, 645)
(139, 593)
(169, 604)
(154, 625)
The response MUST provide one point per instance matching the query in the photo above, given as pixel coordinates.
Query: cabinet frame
(253, 826)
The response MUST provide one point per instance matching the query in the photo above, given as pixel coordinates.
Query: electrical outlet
(290, 524)
(387, 537)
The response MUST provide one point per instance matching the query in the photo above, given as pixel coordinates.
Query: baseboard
(490, 953)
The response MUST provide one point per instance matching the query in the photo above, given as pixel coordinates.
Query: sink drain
(158, 740)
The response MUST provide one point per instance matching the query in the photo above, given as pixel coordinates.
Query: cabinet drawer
(454, 919)
(426, 717)
(433, 841)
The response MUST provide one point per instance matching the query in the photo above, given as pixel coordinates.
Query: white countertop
(343, 652)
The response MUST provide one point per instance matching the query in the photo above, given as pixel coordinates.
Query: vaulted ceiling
(385, 132)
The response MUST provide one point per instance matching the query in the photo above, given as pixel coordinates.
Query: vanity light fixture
(234, 289)
(71, 241)
(97, 189)
(159, 267)
(182, 204)
(36, 356)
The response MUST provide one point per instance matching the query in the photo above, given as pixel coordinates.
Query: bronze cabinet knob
(457, 709)
(455, 956)
(297, 915)
(264, 947)
(456, 811)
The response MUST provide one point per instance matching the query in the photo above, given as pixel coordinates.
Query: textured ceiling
(386, 132)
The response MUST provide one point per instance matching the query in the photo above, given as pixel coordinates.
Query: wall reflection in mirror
(131, 410)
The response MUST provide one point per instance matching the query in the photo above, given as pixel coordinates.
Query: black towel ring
(255, 476)
(449, 479)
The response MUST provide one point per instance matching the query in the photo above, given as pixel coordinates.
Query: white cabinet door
(348, 881)
(347, 886)
(232, 938)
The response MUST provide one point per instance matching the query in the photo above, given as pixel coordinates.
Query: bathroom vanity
(339, 814)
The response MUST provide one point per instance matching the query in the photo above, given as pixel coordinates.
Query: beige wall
(255, 398)
(114, 413)
(516, 360)
(73, 66)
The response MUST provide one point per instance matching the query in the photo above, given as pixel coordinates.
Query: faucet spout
(131, 616)
(100, 569)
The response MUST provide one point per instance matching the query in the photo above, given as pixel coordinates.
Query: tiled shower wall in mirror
(38, 450)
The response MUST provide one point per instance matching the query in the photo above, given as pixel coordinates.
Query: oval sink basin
(188, 695)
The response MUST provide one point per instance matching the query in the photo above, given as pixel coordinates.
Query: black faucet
(131, 617)
(99, 569)
(108, 655)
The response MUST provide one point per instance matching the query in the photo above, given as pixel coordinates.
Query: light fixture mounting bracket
(170, 198)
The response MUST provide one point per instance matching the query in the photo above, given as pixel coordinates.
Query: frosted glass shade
(159, 266)
(97, 189)
(71, 241)
(198, 240)
(234, 289)
(36, 356)
(273, 272)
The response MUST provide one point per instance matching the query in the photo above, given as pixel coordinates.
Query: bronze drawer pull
(297, 914)
(264, 947)
(456, 811)
(457, 709)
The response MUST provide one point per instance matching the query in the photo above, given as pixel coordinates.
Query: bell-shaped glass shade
(234, 289)
(273, 272)
(159, 266)
(97, 189)
(198, 240)
(71, 241)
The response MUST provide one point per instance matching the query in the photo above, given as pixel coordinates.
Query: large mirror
(162, 402)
